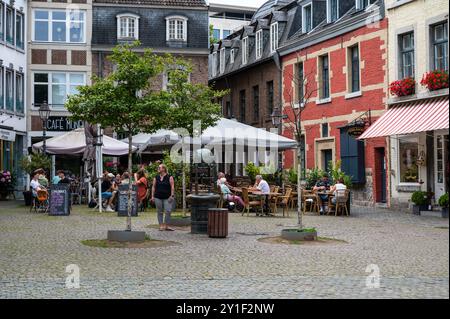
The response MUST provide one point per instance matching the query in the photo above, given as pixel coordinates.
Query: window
(127, 27)
(408, 150)
(259, 44)
(244, 50)
(214, 64)
(270, 97)
(59, 26)
(2, 88)
(300, 83)
(20, 30)
(2, 21)
(307, 18)
(332, 10)
(354, 68)
(439, 36)
(9, 90)
(324, 77)
(325, 130)
(232, 56)
(10, 25)
(55, 87)
(19, 93)
(273, 37)
(222, 60)
(256, 103)
(226, 33)
(176, 28)
(406, 55)
(362, 4)
(242, 105)
(216, 34)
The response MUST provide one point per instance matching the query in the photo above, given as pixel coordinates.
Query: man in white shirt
(339, 186)
(262, 185)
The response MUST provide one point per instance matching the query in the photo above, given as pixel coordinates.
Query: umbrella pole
(183, 177)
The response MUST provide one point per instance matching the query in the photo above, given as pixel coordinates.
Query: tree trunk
(130, 171)
(299, 189)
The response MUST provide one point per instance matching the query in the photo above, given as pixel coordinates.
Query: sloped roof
(167, 3)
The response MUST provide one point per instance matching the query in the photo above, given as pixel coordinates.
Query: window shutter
(352, 157)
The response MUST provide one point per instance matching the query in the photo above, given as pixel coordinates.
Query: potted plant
(420, 201)
(6, 184)
(435, 80)
(443, 202)
(252, 170)
(403, 87)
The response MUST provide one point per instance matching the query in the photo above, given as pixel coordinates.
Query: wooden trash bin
(218, 222)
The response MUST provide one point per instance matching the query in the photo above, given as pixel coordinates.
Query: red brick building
(343, 61)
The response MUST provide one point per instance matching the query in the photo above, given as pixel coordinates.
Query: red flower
(435, 80)
(403, 87)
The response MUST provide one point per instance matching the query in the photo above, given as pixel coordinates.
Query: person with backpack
(163, 195)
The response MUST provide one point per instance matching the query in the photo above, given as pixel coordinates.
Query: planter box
(416, 209)
(444, 212)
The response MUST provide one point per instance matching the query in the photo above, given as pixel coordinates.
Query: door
(380, 175)
(440, 165)
(327, 157)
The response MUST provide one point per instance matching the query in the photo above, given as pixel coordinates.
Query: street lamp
(44, 114)
(277, 121)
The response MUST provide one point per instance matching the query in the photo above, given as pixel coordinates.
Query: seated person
(35, 185)
(323, 185)
(42, 178)
(337, 187)
(262, 186)
(108, 189)
(62, 177)
(228, 195)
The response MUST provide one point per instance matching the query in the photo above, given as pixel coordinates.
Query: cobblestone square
(411, 253)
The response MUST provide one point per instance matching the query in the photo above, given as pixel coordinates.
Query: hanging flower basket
(435, 80)
(403, 87)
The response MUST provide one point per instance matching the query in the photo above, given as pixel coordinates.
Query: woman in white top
(339, 186)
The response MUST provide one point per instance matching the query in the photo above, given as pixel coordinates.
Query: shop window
(408, 153)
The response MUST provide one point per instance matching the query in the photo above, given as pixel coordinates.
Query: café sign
(62, 124)
(7, 135)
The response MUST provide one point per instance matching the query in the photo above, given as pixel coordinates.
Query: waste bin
(218, 222)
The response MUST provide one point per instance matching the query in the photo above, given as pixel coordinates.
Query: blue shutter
(352, 157)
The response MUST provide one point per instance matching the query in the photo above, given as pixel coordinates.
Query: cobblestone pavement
(410, 251)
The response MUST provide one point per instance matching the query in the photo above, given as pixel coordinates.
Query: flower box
(435, 80)
(403, 87)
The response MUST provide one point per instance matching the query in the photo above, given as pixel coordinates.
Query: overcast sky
(250, 3)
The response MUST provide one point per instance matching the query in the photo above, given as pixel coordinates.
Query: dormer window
(332, 10)
(222, 61)
(245, 50)
(232, 56)
(128, 26)
(307, 18)
(214, 64)
(259, 44)
(176, 27)
(273, 37)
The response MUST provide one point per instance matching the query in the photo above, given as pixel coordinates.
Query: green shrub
(252, 170)
(36, 160)
(312, 177)
(443, 200)
(335, 172)
(419, 198)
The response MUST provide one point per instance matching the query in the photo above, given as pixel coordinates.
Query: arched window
(128, 26)
(176, 28)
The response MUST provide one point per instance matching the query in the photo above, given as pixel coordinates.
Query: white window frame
(411, 139)
(232, 56)
(177, 20)
(303, 17)
(214, 64)
(2, 21)
(245, 50)
(329, 10)
(222, 61)
(50, 25)
(128, 17)
(21, 32)
(259, 44)
(19, 92)
(50, 85)
(274, 37)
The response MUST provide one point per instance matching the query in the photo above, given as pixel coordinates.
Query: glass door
(441, 164)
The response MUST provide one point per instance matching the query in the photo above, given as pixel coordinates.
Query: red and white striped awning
(413, 117)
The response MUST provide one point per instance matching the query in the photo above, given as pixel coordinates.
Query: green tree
(212, 39)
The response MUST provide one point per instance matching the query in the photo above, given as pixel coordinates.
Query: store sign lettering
(62, 124)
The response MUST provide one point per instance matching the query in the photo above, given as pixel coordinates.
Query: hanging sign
(62, 124)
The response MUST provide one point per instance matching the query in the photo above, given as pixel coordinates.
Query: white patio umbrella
(74, 143)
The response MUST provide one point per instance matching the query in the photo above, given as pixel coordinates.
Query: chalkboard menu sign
(59, 200)
(122, 201)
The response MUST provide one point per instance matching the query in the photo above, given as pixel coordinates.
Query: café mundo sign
(62, 124)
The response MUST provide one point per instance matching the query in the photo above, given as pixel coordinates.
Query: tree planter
(180, 221)
(299, 234)
(200, 204)
(126, 236)
(444, 212)
(416, 209)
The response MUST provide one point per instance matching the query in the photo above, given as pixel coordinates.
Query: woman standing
(163, 196)
(142, 185)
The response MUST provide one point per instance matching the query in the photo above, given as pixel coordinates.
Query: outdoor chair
(40, 203)
(75, 193)
(312, 199)
(341, 197)
(283, 201)
(250, 203)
